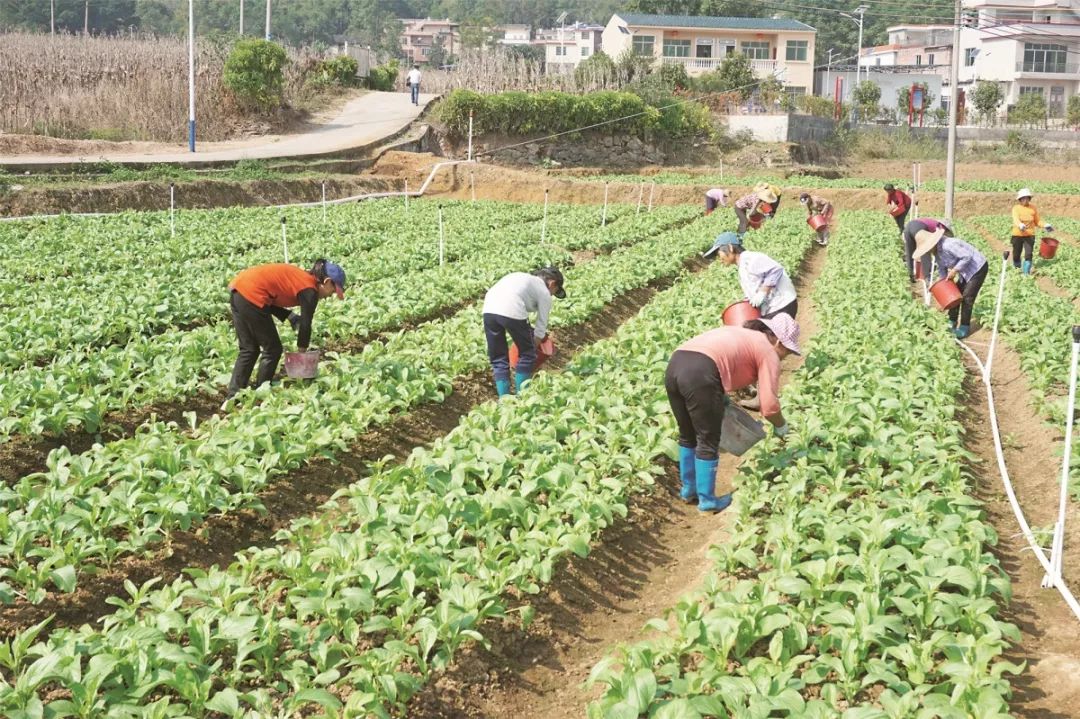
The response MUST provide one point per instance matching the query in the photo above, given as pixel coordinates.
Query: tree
(770, 91)
(438, 55)
(1072, 111)
(254, 73)
(986, 97)
(866, 95)
(1030, 109)
(596, 71)
(736, 74)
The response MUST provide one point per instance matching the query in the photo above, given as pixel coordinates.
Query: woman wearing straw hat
(930, 224)
(749, 204)
(776, 191)
(959, 262)
(699, 374)
(1025, 219)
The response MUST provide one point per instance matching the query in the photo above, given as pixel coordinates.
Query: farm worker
(912, 228)
(699, 374)
(714, 197)
(959, 262)
(762, 186)
(506, 310)
(413, 81)
(816, 205)
(897, 200)
(1025, 220)
(261, 293)
(749, 204)
(764, 282)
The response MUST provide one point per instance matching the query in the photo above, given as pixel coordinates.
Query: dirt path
(637, 572)
(1050, 642)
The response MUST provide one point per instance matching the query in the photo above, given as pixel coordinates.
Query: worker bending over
(961, 263)
(763, 280)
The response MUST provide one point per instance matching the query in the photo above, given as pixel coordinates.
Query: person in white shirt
(413, 82)
(506, 310)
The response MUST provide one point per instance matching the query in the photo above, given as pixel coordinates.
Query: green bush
(383, 77)
(735, 73)
(1072, 111)
(1030, 109)
(596, 70)
(674, 76)
(254, 73)
(339, 71)
(523, 113)
(817, 106)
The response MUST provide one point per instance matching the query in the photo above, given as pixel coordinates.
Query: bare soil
(640, 568)
(1050, 638)
(1047, 171)
(218, 539)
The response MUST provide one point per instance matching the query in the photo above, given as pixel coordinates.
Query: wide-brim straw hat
(925, 240)
(766, 195)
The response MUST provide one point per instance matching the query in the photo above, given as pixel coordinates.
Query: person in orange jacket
(261, 293)
(1025, 219)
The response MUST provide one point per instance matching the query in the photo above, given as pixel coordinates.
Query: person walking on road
(911, 229)
(899, 203)
(413, 81)
(701, 372)
(261, 293)
(506, 310)
(715, 197)
(750, 204)
(763, 280)
(960, 262)
(816, 205)
(1025, 220)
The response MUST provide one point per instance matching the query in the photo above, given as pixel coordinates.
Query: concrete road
(362, 121)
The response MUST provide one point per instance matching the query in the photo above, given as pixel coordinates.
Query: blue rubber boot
(1027, 267)
(502, 386)
(686, 474)
(705, 471)
(521, 380)
(962, 331)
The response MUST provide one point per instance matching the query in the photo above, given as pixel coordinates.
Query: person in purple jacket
(912, 228)
(959, 262)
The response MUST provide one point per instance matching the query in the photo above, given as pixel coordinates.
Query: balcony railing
(705, 64)
(1048, 67)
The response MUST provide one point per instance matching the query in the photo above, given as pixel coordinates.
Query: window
(878, 61)
(585, 35)
(755, 50)
(918, 61)
(676, 48)
(703, 47)
(969, 56)
(1025, 89)
(584, 52)
(644, 45)
(797, 50)
(930, 59)
(1044, 57)
(560, 50)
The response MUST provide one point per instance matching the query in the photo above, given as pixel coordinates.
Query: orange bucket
(544, 350)
(897, 211)
(1048, 248)
(756, 220)
(946, 294)
(738, 312)
(816, 222)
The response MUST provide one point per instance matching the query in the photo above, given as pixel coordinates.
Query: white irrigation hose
(1025, 529)
(1057, 549)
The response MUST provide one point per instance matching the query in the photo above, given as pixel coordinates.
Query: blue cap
(337, 276)
(722, 240)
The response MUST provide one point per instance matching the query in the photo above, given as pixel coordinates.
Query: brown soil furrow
(220, 537)
(639, 569)
(1050, 633)
(1045, 283)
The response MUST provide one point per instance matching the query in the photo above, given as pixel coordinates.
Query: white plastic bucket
(740, 431)
(302, 365)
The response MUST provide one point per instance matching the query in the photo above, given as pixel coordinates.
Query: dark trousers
(696, 394)
(711, 203)
(256, 334)
(970, 291)
(790, 309)
(496, 328)
(909, 250)
(901, 220)
(1022, 244)
(744, 221)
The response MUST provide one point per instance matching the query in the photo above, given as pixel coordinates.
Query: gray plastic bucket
(740, 431)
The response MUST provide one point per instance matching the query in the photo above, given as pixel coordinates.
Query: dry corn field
(121, 88)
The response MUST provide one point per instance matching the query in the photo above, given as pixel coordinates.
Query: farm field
(342, 547)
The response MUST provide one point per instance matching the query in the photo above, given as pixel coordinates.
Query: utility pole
(858, 59)
(828, 74)
(86, 18)
(267, 20)
(954, 96)
(52, 17)
(241, 18)
(191, 75)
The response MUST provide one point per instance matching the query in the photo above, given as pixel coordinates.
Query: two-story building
(776, 47)
(418, 35)
(565, 47)
(927, 48)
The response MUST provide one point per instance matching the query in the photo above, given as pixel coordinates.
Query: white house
(565, 47)
(514, 34)
(779, 47)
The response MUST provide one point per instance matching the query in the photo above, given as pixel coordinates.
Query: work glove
(758, 299)
(781, 431)
(294, 321)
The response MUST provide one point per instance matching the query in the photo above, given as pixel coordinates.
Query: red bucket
(737, 313)
(817, 222)
(1048, 248)
(756, 220)
(544, 350)
(946, 294)
(764, 208)
(897, 210)
(918, 270)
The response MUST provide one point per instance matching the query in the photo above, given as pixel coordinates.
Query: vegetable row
(857, 580)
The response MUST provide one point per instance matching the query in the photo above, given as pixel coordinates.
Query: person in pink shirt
(700, 373)
(715, 197)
